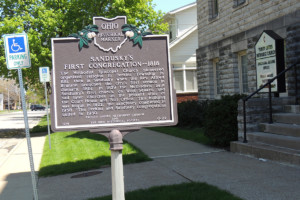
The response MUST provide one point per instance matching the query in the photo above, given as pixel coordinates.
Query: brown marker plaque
(112, 84)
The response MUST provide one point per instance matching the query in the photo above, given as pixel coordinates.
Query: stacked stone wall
(257, 111)
(293, 56)
(203, 76)
(235, 30)
(232, 20)
(227, 49)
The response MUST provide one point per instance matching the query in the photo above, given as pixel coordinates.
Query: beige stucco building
(183, 34)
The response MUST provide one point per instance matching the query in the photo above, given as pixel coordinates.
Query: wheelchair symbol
(15, 47)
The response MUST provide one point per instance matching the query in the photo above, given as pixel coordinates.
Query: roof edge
(186, 34)
(181, 8)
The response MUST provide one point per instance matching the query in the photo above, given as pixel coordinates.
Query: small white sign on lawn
(44, 74)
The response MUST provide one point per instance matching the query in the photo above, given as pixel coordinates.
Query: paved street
(15, 120)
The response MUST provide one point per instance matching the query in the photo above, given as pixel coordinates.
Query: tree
(46, 19)
(11, 93)
(36, 96)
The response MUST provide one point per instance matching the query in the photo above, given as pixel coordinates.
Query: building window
(237, 3)
(217, 77)
(213, 8)
(185, 78)
(173, 30)
(171, 35)
(243, 72)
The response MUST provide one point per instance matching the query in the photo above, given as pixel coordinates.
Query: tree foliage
(36, 95)
(46, 19)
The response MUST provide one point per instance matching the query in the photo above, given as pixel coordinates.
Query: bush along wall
(220, 120)
(191, 113)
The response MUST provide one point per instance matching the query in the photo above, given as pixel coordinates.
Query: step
(275, 139)
(282, 129)
(292, 109)
(265, 151)
(288, 118)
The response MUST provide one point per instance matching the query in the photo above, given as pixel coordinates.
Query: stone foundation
(257, 111)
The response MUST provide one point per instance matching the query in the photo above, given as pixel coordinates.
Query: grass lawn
(193, 134)
(80, 151)
(42, 126)
(186, 191)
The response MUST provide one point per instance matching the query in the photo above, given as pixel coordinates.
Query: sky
(168, 5)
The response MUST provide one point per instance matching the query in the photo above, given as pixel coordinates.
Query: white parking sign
(17, 51)
(44, 74)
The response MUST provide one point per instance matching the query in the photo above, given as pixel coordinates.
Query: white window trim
(237, 7)
(184, 69)
(215, 61)
(240, 54)
(212, 9)
(174, 24)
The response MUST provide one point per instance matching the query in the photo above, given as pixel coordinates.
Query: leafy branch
(85, 35)
(134, 34)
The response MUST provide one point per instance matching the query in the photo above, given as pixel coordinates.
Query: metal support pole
(19, 101)
(33, 175)
(245, 122)
(270, 105)
(116, 146)
(49, 136)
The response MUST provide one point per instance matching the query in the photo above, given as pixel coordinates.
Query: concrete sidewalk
(176, 161)
(15, 172)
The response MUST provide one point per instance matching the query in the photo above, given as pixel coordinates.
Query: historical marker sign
(17, 51)
(121, 80)
(269, 54)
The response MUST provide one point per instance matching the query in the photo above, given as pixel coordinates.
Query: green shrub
(191, 113)
(220, 124)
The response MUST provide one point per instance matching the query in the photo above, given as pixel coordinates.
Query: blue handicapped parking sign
(16, 45)
(16, 51)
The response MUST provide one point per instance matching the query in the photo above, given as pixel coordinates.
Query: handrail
(270, 96)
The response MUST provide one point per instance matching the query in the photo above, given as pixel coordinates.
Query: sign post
(44, 78)
(33, 175)
(112, 78)
(18, 57)
(117, 177)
